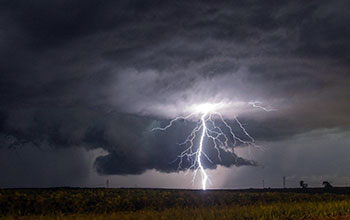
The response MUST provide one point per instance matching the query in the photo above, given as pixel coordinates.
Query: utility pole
(284, 182)
(107, 183)
(263, 177)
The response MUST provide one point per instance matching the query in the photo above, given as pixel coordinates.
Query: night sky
(82, 84)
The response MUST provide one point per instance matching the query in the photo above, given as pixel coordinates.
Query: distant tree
(303, 184)
(327, 185)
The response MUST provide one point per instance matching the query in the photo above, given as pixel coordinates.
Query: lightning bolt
(257, 104)
(211, 126)
(200, 152)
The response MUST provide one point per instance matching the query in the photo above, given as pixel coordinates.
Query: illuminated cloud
(103, 74)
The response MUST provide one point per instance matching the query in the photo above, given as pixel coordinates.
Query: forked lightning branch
(211, 126)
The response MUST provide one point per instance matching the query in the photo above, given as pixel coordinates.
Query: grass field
(67, 203)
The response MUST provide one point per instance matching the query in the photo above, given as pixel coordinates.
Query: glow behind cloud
(211, 126)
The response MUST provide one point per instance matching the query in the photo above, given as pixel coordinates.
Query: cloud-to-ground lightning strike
(213, 127)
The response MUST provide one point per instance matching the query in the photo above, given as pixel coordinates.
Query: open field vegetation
(67, 203)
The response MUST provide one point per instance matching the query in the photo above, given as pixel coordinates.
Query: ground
(100, 204)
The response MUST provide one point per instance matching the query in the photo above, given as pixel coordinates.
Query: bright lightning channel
(223, 137)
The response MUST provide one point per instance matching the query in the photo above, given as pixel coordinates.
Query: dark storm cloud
(102, 73)
(129, 139)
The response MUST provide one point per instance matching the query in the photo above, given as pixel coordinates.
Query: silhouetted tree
(303, 184)
(327, 185)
